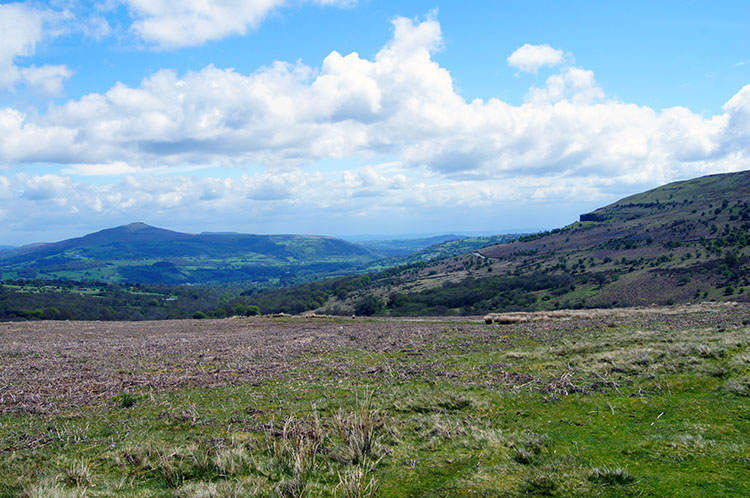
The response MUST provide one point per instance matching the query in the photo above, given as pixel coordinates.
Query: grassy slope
(683, 242)
(626, 404)
(442, 250)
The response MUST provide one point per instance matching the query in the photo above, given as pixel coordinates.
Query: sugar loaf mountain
(683, 242)
(139, 253)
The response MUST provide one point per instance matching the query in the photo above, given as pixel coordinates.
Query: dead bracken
(54, 365)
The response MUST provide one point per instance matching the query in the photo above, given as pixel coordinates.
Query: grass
(650, 405)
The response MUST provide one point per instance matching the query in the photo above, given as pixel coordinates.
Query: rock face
(593, 217)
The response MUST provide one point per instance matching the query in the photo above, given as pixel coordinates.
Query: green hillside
(139, 253)
(682, 242)
(400, 247)
(445, 248)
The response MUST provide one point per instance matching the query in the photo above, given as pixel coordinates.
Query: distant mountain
(141, 253)
(445, 246)
(6, 248)
(683, 242)
(401, 247)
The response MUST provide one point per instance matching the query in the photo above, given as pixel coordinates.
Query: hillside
(391, 248)
(682, 242)
(446, 247)
(142, 253)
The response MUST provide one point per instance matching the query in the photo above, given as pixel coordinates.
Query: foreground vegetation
(641, 402)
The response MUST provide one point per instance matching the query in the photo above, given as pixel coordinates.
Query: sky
(347, 117)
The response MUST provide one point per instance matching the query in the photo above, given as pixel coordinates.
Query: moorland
(636, 402)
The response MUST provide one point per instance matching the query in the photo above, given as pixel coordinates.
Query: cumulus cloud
(530, 58)
(45, 187)
(178, 23)
(5, 190)
(401, 106)
(104, 169)
(183, 23)
(299, 201)
(48, 78)
(22, 27)
(574, 84)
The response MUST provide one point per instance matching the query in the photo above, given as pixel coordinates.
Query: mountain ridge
(685, 241)
(138, 252)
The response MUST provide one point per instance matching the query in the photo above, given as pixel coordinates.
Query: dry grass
(603, 314)
(51, 366)
(321, 407)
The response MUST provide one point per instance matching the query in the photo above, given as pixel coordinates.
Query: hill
(683, 242)
(139, 253)
(403, 246)
(443, 247)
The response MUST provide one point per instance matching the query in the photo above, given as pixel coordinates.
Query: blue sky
(344, 117)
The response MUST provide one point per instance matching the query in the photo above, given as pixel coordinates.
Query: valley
(686, 242)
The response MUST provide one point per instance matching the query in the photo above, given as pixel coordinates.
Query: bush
(368, 306)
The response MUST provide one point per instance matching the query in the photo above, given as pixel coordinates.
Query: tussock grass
(224, 489)
(611, 475)
(51, 488)
(233, 461)
(539, 484)
(357, 482)
(738, 386)
(78, 473)
(359, 431)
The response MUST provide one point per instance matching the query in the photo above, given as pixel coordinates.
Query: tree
(368, 306)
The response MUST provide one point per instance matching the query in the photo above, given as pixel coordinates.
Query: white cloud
(573, 83)
(400, 106)
(49, 78)
(736, 133)
(45, 188)
(178, 23)
(5, 190)
(22, 27)
(103, 169)
(530, 58)
(94, 26)
(300, 198)
(182, 23)
(20, 31)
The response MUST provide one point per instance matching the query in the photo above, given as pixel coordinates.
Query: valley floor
(650, 402)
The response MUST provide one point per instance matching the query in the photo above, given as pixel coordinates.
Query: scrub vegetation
(636, 402)
(685, 242)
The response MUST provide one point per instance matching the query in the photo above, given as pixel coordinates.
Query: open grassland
(642, 402)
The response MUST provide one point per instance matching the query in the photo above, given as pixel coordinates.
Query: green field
(641, 402)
